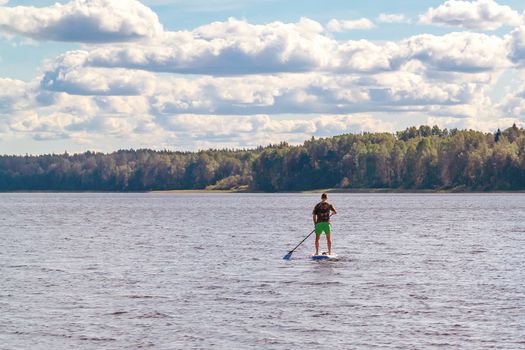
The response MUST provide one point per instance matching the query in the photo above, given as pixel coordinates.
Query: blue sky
(109, 74)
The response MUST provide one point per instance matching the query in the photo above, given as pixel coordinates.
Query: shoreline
(340, 190)
(315, 191)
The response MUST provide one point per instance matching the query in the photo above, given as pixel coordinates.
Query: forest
(424, 158)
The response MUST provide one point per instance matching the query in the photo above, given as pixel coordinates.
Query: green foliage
(133, 170)
(416, 158)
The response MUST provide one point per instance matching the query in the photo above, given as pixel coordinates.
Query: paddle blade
(288, 256)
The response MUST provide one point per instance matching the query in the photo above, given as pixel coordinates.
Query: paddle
(289, 255)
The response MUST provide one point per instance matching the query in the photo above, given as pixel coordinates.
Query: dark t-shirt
(322, 210)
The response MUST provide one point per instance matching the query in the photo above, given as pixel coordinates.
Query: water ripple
(155, 271)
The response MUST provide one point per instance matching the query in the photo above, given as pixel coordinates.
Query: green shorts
(321, 227)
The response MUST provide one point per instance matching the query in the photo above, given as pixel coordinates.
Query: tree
(416, 158)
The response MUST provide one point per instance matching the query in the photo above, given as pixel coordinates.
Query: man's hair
(324, 196)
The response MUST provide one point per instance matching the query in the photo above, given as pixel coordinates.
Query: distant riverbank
(328, 190)
(345, 190)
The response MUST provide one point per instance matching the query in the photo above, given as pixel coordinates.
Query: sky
(104, 75)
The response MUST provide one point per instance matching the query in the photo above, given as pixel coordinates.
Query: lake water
(205, 271)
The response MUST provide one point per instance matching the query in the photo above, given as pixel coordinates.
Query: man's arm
(332, 208)
(314, 215)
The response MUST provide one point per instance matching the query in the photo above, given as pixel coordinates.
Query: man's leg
(317, 239)
(329, 243)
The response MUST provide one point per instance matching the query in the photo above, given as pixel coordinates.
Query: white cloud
(431, 74)
(457, 52)
(90, 21)
(70, 75)
(104, 118)
(392, 18)
(516, 46)
(238, 48)
(208, 5)
(3, 2)
(213, 112)
(481, 124)
(322, 85)
(337, 26)
(267, 124)
(512, 105)
(226, 48)
(269, 94)
(84, 103)
(254, 130)
(479, 15)
(14, 95)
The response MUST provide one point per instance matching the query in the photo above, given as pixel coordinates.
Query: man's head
(324, 196)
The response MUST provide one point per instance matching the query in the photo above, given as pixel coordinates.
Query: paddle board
(324, 256)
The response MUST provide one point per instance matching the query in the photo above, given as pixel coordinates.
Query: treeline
(416, 158)
(127, 170)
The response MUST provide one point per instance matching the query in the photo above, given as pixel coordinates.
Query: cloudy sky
(191, 74)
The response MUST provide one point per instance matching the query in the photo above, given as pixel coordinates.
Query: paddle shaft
(297, 246)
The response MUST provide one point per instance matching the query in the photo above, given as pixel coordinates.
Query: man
(321, 215)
